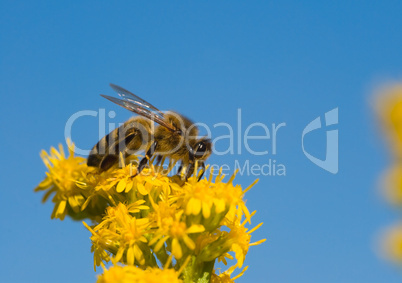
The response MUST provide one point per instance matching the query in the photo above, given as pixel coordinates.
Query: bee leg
(144, 160)
(190, 170)
(179, 170)
(190, 167)
(158, 160)
(202, 166)
(183, 171)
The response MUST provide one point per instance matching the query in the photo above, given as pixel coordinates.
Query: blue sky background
(279, 62)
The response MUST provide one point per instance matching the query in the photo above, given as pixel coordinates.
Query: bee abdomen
(130, 137)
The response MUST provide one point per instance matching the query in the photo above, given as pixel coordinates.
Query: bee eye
(201, 147)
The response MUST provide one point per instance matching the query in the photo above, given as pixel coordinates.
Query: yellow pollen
(178, 229)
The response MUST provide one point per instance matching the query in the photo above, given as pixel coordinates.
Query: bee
(174, 137)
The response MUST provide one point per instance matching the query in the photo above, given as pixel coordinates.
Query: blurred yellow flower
(132, 274)
(392, 184)
(389, 105)
(392, 244)
(389, 108)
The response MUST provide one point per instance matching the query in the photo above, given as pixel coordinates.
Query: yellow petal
(44, 184)
(74, 204)
(80, 199)
(143, 239)
(61, 208)
(86, 202)
(142, 207)
(239, 254)
(130, 256)
(129, 186)
(255, 228)
(176, 249)
(220, 205)
(195, 229)
(141, 189)
(160, 244)
(189, 207)
(154, 240)
(121, 186)
(206, 210)
(257, 243)
(240, 274)
(195, 206)
(189, 243)
(139, 255)
(119, 254)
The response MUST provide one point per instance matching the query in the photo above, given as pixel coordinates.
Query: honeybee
(174, 137)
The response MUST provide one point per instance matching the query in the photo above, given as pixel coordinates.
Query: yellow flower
(240, 238)
(102, 246)
(225, 277)
(61, 180)
(210, 201)
(100, 182)
(392, 184)
(132, 274)
(231, 237)
(389, 106)
(144, 183)
(392, 243)
(174, 228)
(122, 235)
(121, 213)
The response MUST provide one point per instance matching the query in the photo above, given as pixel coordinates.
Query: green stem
(198, 272)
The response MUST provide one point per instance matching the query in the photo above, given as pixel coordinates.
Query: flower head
(210, 201)
(61, 180)
(172, 226)
(122, 234)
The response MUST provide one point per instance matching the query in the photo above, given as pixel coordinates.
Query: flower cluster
(152, 227)
(132, 274)
(390, 114)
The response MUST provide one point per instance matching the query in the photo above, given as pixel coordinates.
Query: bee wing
(131, 97)
(140, 110)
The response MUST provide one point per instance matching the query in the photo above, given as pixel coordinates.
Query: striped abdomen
(132, 136)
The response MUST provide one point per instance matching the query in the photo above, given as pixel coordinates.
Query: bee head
(202, 149)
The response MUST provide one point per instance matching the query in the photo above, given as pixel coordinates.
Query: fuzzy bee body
(134, 135)
(174, 136)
